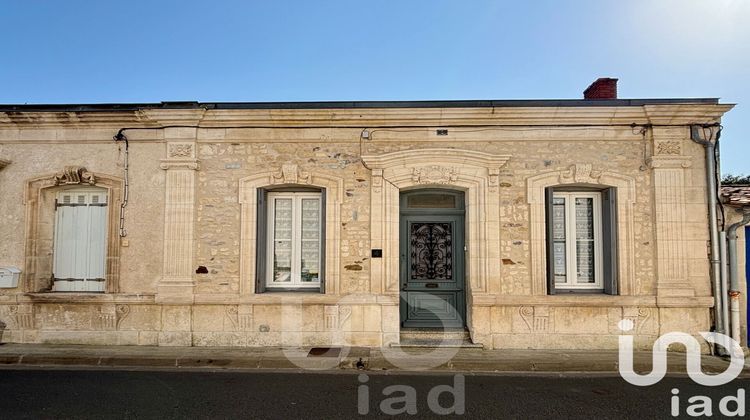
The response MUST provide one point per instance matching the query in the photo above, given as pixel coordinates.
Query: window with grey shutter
(581, 240)
(290, 240)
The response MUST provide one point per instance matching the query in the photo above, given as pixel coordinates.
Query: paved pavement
(377, 359)
(99, 393)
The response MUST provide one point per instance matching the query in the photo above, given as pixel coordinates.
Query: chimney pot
(602, 88)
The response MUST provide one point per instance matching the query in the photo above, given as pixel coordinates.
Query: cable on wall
(121, 137)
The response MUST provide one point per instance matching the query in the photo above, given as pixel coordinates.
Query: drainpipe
(724, 280)
(695, 135)
(734, 286)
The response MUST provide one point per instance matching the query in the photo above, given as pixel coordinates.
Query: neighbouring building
(530, 223)
(736, 201)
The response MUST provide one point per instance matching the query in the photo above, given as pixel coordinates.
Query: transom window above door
(295, 240)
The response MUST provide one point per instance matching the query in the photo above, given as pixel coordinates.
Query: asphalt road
(288, 395)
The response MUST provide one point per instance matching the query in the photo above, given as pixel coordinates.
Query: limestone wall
(664, 267)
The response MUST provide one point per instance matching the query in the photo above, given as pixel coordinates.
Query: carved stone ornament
(668, 148)
(180, 150)
(536, 318)
(122, 312)
(291, 174)
(434, 175)
(581, 173)
(494, 176)
(336, 317)
(377, 180)
(183, 164)
(23, 315)
(74, 175)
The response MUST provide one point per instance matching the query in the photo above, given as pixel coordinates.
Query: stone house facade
(532, 224)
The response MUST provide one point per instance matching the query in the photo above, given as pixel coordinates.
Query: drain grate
(324, 352)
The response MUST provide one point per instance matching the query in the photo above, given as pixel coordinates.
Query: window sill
(561, 291)
(279, 290)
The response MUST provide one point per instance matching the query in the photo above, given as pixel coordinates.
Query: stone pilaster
(669, 176)
(176, 285)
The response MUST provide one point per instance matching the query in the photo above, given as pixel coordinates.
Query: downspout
(711, 197)
(734, 286)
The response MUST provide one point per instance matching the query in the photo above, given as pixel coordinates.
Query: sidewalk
(371, 359)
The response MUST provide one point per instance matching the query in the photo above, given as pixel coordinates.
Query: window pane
(585, 258)
(585, 239)
(282, 246)
(585, 218)
(431, 201)
(310, 265)
(558, 235)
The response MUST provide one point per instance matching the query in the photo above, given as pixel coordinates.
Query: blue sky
(150, 51)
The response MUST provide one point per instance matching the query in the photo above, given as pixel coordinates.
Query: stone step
(434, 334)
(430, 337)
(449, 343)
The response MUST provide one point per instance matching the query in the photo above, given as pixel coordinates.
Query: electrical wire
(418, 127)
(126, 190)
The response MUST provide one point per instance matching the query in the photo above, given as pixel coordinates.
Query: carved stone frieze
(231, 312)
(106, 317)
(668, 148)
(245, 317)
(639, 317)
(291, 174)
(336, 316)
(122, 312)
(74, 175)
(536, 318)
(180, 150)
(581, 173)
(434, 174)
(23, 315)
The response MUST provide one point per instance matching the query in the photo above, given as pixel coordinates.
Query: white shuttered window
(294, 240)
(80, 240)
(576, 240)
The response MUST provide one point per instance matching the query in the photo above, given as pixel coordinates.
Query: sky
(282, 50)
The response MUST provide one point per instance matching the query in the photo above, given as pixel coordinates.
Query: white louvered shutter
(80, 241)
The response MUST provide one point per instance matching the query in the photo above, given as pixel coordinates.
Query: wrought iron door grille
(431, 251)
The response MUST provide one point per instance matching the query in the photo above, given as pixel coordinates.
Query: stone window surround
(39, 199)
(582, 174)
(289, 176)
(474, 173)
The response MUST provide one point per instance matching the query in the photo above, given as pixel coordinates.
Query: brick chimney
(602, 88)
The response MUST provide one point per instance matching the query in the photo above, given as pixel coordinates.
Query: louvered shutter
(80, 241)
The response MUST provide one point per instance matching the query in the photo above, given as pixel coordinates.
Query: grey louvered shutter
(609, 240)
(322, 273)
(548, 195)
(260, 242)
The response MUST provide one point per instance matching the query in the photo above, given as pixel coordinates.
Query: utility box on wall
(9, 277)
